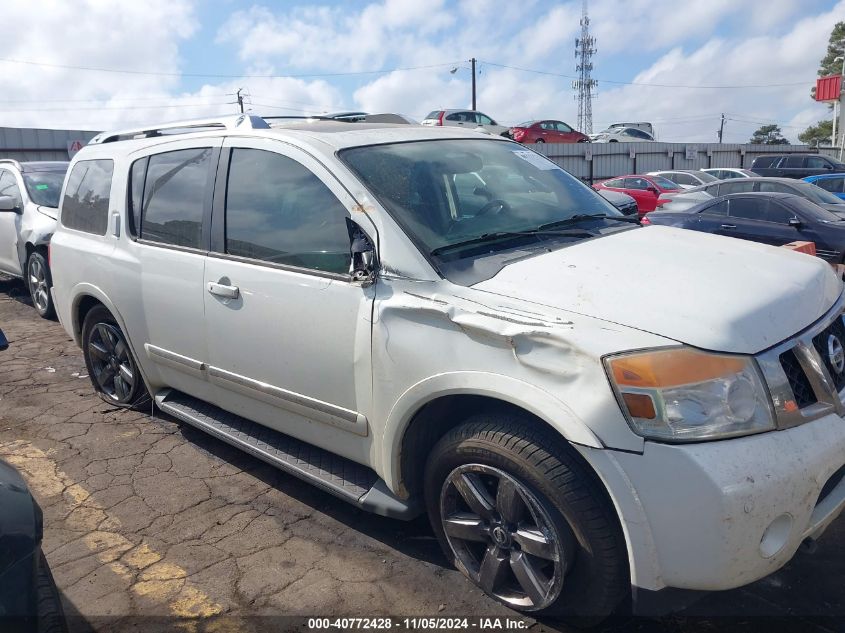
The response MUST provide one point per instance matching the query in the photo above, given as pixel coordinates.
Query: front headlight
(682, 394)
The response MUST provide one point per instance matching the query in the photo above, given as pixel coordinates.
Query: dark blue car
(834, 183)
(770, 218)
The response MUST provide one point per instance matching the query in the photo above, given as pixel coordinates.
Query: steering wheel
(496, 203)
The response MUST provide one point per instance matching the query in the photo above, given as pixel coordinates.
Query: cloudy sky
(95, 64)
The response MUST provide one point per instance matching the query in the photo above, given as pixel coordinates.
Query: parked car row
(559, 414)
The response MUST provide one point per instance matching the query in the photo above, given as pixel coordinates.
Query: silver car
(29, 200)
(468, 119)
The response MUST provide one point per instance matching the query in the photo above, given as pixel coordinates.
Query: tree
(835, 48)
(818, 134)
(768, 135)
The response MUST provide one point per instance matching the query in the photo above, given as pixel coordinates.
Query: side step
(337, 475)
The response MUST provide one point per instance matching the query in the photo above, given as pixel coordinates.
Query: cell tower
(585, 48)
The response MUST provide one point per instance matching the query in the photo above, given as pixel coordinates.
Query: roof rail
(228, 122)
(12, 162)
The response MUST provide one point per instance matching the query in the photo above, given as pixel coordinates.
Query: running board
(337, 475)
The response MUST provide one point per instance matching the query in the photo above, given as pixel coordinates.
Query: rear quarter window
(85, 206)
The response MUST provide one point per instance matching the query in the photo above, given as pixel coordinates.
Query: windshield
(44, 187)
(817, 194)
(446, 193)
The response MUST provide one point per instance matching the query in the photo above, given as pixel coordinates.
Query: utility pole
(240, 100)
(722, 127)
(841, 111)
(584, 50)
(472, 62)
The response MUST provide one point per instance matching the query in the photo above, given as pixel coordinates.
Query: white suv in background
(29, 200)
(468, 119)
(428, 319)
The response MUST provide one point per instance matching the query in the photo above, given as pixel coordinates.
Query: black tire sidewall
(50, 312)
(100, 314)
(584, 594)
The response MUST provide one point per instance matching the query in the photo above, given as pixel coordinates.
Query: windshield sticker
(535, 159)
(42, 186)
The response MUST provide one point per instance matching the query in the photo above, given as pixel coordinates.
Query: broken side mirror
(363, 265)
(4, 344)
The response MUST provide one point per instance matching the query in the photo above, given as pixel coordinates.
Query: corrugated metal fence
(597, 161)
(40, 144)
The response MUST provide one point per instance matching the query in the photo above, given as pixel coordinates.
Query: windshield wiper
(584, 217)
(501, 235)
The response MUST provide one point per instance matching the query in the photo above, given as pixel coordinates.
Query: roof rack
(230, 122)
(12, 162)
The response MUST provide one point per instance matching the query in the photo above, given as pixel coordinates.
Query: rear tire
(555, 548)
(38, 282)
(111, 366)
(539, 141)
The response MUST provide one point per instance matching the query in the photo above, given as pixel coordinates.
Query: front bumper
(718, 515)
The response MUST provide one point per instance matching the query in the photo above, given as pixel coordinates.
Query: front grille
(820, 342)
(798, 381)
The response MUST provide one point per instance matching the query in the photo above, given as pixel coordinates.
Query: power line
(647, 84)
(145, 107)
(217, 75)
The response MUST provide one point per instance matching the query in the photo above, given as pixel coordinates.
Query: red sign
(828, 88)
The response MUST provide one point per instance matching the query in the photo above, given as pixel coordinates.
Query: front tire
(39, 281)
(522, 518)
(111, 366)
(539, 141)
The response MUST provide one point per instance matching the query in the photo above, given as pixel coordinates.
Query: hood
(712, 292)
(50, 212)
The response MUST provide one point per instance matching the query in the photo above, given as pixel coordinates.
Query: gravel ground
(152, 525)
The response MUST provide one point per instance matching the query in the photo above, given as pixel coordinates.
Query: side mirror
(363, 265)
(826, 166)
(795, 223)
(4, 344)
(8, 204)
(653, 190)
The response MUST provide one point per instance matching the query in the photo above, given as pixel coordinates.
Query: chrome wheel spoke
(533, 584)
(509, 502)
(466, 527)
(120, 349)
(105, 377)
(493, 570)
(98, 351)
(535, 543)
(472, 491)
(126, 375)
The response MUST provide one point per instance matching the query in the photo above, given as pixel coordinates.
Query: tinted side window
(774, 212)
(775, 186)
(793, 161)
(683, 179)
(619, 183)
(765, 161)
(720, 208)
(278, 211)
(738, 186)
(563, 127)
(9, 187)
(137, 177)
(816, 162)
(747, 208)
(636, 183)
(85, 206)
(834, 185)
(483, 119)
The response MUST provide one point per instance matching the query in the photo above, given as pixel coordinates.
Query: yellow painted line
(161, 582)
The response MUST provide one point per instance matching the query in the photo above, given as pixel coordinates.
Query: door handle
(729, 226)
(227, 292)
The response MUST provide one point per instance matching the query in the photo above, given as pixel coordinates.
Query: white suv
(29, 200)
(424, 318)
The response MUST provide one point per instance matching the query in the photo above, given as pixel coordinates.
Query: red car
(546, 132)
(644, 189)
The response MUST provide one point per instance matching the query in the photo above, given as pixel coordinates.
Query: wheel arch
(426, 411)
